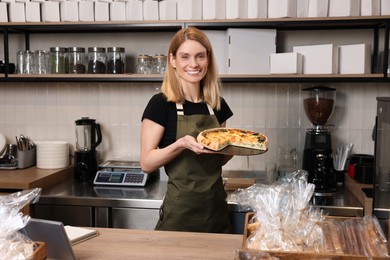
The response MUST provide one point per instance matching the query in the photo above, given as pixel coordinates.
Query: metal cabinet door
(68, 215)
(134, 218)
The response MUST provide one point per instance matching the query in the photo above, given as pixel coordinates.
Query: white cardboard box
(150, 10)
(220, 45)
(33, 12)
(189, 9)
(3, 12)
(69, 11)
(344, 8)
(257, 8)
(50, 11)
(319, 59)
(167, 10)
(213, 9)
(236, 9)
(302, 8)
(86, 13)
(101, 11)
(318, 8)
(249, 50)
(282, 8)
(385, 7)
(354, 59)
(282, 63)
(16, 12)
(134, 11)
(117, 11)
(370, 7)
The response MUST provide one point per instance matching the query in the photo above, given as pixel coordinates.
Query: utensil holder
(27, 158)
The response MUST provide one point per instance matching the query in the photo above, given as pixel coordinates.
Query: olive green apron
(195, 198)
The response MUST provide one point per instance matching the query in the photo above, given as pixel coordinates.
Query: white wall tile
(49, 110)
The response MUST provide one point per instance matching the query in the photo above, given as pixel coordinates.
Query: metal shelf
(328, 23)
(224, 78)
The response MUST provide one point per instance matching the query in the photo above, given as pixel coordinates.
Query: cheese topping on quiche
(218, 138)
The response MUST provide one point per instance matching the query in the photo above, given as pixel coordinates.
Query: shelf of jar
(224, 77)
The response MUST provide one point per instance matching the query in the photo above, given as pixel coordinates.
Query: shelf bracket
(6, 53)
(386, 50)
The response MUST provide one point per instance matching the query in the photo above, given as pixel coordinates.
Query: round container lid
(320, 88)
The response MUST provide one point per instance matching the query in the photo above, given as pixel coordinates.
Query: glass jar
(159, 64)
(41, 62)
(143, 66)
(96, 60)
(24, 62)
(77, 60)
(116, 60)
(58, 60)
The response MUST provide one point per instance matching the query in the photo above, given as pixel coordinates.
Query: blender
(88, 137)
(317, 159)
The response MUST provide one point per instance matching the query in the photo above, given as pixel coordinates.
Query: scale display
(129, 177)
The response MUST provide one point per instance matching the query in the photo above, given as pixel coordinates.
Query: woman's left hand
(191, 144)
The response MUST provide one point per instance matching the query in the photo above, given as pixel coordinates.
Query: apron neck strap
(180, 109)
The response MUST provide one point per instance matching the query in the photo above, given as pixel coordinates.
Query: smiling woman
(190, 102)
(191, 64)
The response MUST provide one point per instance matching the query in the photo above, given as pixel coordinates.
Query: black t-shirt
(164, 113)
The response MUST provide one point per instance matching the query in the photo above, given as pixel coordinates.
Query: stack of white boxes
(152, 10)
(237, 51)
(323, 59)
(3, 12)
(167, 10)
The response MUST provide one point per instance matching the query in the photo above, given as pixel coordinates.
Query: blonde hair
(210, 85)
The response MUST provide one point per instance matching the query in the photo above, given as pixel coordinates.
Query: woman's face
(191, 61)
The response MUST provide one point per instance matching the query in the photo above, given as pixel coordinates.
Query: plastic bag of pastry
(287, 221)
(353, 237)
(333, 237)
(375, 240)
(252, 255)
(13, 244)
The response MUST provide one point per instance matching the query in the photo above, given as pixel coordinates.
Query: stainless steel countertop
(72, 192)
(382, 204)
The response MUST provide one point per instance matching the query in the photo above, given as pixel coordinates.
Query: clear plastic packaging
(287, 221)
(284, 220)
(13, 244)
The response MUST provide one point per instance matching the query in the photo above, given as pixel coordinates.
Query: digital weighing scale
(121, 173)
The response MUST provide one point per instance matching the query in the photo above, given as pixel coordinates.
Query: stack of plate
(52, 154)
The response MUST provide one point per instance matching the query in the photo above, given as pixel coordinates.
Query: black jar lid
(115, 49)
(58, 49)
(76, 49)
(96, 49)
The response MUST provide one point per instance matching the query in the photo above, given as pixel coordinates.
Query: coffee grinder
(88, 137)
(317, 159)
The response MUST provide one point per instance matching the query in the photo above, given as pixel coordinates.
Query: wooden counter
(33, 177)
(356, 189)
(29, 178)
(149, 244)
